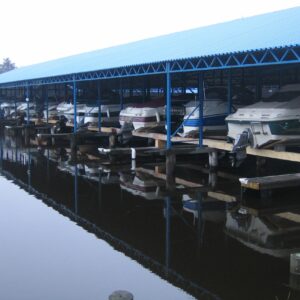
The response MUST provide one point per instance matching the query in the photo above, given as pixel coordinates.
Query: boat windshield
(283, 96)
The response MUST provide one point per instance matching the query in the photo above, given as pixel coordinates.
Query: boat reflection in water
(204, 207)
(276, 234)
(179, 238)
(143, 185)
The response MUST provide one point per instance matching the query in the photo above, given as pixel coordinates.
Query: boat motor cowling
(238, 152)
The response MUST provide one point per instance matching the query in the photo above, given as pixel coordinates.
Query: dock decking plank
(271, 182)
(223, 145)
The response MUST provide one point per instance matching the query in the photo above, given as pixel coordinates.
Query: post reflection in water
(29, 168)
(200, 221)
(100, 191)
(194, 244)
(168, 230)
(76, 189)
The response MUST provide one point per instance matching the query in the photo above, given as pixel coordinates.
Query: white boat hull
(142, 117)
(189, 129)
(109, 114)
(261, 132)
(274, 119)
(94, 120)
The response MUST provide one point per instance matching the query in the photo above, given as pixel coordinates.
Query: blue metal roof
(272, 30)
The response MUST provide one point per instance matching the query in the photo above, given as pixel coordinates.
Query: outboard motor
(126, 135)
(21, 120)
(2, 114)
(61, 125)
(239, 148)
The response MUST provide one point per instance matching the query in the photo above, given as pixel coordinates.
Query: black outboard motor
(126, 136)
(61, 125)
(238, 152)
(21, 120)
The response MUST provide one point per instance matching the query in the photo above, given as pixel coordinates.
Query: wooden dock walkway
(222, 145)
(271, 182)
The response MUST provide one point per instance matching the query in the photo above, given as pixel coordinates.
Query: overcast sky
(34, 31)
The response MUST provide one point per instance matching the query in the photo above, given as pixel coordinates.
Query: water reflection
(211, 249)
(143, 185)
(273, 233)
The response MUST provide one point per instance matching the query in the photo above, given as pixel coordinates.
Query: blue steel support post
(75, 105)
(99, 105)
(27, 100)
(229, 93)
(168, 98)
(201, 105)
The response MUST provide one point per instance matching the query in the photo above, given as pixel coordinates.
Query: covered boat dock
(261, 51)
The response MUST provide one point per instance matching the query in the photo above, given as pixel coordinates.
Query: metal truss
(256, 58)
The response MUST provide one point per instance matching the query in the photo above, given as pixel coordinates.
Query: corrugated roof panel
(277, 29)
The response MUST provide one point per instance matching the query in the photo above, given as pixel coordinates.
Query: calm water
(71, 232)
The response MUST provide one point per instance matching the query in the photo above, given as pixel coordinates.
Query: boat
(143, 185)
(100, 174)
(207, 208)
(109, 114)
(62, 107)
(274, 119)
(150, 114)
(215, 110)
(80, 112)
(142, 115)
(8, 108)
(69, 168)
(24, 106)
(52, 111)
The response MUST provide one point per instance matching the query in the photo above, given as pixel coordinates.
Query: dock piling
(73, 145)
(213, 159)
(212, 179)
(27, 135)
(133, 157)
(121, 295)
(170, 169)
(112, 141)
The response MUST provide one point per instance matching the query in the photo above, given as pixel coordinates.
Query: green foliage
(7, 65)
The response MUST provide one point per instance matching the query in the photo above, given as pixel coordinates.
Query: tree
(7, 65)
